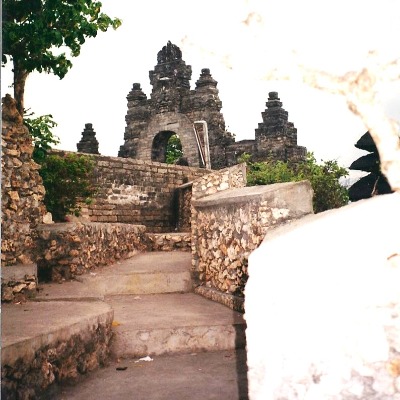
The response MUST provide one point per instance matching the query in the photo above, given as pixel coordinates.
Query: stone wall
(22, 206)
(70, 249)
(323, 306)
(230, 224)
(18, 282)
(137, 192)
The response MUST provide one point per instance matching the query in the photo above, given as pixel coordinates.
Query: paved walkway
(198, 376)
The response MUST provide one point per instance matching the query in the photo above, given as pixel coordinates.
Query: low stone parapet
(69, 249)
(228, 225)
(61, 342)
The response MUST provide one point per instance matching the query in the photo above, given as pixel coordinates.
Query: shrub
(324, 178)
(67, 180)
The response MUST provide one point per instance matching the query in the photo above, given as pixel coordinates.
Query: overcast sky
(240, 41)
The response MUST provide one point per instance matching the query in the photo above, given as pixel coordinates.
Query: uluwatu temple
(195, 117)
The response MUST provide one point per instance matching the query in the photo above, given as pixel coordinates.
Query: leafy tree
(174, 149)
(35, 30)
(42, 136)
(324, 178)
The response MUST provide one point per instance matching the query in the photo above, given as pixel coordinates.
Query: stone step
(173, 323)
(145, 273)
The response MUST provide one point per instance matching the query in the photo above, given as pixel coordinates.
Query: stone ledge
(53, 342)
(246, 194)
(16, 272)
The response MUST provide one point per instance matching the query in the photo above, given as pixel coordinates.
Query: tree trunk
(20, 75)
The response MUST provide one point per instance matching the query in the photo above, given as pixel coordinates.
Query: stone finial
(206, 80)
(273, 100)
(170, 79)
(9, 110)
(276, 136)
(88, 143)
(169, 53)
(136, 93)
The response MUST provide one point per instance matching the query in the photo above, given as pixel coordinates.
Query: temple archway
(159, 146)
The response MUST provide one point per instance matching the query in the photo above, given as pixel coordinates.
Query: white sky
(334, 36)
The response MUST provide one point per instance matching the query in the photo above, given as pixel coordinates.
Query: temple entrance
(166, 147)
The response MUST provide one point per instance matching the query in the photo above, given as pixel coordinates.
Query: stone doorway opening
(166, 147)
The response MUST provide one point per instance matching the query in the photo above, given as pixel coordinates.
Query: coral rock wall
(71, 249)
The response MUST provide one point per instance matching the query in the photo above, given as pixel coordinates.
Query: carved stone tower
(276, 137)
(172, 109)
(88, 143)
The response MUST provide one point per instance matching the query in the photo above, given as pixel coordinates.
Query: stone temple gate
(173, 108)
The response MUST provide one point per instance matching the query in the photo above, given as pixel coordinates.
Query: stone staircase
(155, 309)
(150, 300)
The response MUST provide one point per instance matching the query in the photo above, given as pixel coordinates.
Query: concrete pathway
(197, 376)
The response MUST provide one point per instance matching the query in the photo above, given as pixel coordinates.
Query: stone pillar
(22, 206)
(88, 143)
